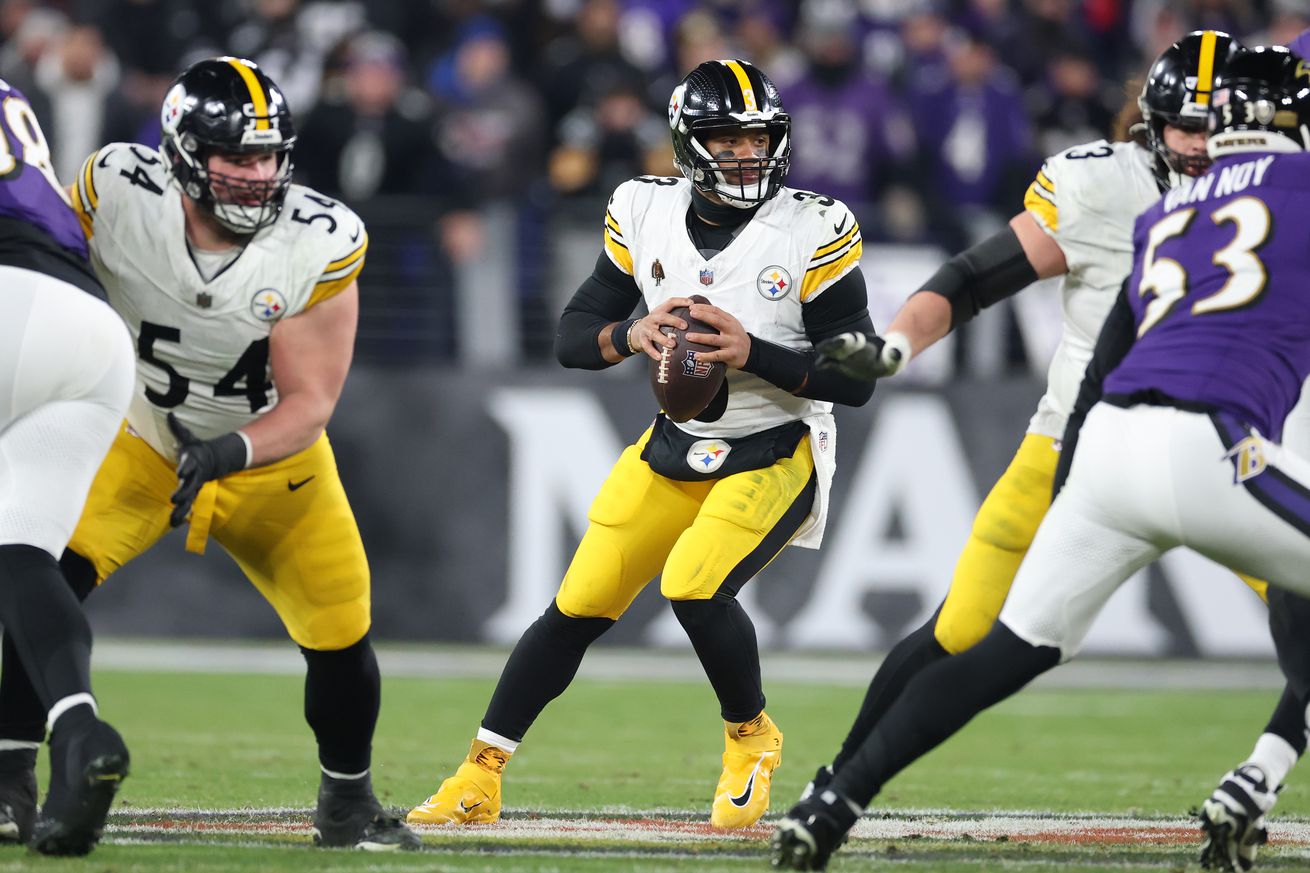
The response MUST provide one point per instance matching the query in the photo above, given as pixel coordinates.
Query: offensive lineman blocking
(240, 291)
(707, 503)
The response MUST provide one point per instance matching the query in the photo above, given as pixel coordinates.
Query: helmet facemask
(243, 206)
(730, 177)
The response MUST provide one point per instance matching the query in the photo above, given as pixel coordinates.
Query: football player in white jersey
(1077, 223)
(707, 503)
(240, 291)
(65, 378)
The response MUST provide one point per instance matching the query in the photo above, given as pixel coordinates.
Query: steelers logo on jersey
(773, 283)
(268, 304)
(706, 456)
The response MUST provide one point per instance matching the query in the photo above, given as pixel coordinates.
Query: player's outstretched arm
(309, 354)
(996, 268)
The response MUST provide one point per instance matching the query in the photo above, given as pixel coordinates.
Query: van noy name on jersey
(1229, 180)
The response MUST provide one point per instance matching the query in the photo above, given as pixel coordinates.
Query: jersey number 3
(1247, 276)
(251, 368)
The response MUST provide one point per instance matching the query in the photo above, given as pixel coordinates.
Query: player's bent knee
(592, 586)
(695, 569)
(330, 630)
(957, 633)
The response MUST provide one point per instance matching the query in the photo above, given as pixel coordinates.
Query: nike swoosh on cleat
(469, 808)
(745, 797)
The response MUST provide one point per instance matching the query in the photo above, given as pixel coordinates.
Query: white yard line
(625, 665)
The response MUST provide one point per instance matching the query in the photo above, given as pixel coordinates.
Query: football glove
(199, 461)
(864, 356)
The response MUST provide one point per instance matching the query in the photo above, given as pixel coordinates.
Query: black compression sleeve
(607, 295)
(1116, 338)
(842, 307)
(984, 274)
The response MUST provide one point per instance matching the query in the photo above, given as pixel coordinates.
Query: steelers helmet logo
(675, 105)
(172, 110)
(773, 283)
(268, 304)
(706, 456)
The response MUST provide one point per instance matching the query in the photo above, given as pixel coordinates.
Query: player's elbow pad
(982, 275)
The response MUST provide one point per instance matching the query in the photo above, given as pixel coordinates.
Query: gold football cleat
(471, 796)
(749, 759)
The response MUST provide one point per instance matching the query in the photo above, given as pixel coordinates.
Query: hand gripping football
(683, 385)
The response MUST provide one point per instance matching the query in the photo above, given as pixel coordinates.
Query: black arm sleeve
(1116, 338)
(842, 307)
(608, 295)
(984, 274)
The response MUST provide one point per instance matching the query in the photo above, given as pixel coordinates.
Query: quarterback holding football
(737, 465)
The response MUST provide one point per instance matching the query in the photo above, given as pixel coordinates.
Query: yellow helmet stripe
(1205, 68)
(747, 92)
(257, 99)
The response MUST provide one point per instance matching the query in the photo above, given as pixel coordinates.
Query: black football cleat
(807, 836)
(349, 817)
(822, 777)
(17, 795)
(87, 767)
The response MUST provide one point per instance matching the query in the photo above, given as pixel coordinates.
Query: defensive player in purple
(1233, 816)
(1206, 350)
(66, 371)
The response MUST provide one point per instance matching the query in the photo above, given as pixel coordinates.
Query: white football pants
(66, 375)
(1143, 481)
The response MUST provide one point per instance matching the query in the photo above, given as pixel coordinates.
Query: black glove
(198, 461)
(864, 356)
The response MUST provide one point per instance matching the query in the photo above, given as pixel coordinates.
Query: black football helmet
(719, 95)
(227, 105)
(1261, 104)
(1178, 91)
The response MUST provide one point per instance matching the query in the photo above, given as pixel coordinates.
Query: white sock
(65, 704)
(491, 738)
(1274, 756)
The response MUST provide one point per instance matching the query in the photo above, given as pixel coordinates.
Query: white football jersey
(203, 346)
(1087, 198)
(795, 247)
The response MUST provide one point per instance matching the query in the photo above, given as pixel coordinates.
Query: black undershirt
(609, 296)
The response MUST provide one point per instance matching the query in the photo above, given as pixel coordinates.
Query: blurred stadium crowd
(480, 138)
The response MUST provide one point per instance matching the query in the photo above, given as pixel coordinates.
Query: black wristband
(619, 337)
(789, 369)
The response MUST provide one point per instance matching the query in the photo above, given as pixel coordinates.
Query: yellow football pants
(702, 536)
(1002, 532)
(288, 526)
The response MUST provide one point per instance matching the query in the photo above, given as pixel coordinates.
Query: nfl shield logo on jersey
(707, 277)
(773, 283)
(268, 304)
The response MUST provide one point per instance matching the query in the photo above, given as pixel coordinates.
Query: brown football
(683, 385)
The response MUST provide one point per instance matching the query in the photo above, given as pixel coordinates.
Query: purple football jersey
(1220, 291)
(26, 192)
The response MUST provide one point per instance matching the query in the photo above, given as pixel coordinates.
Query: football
(683, 385)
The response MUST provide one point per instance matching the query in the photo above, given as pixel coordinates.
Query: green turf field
(619, 777)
